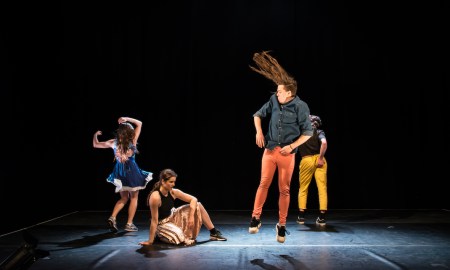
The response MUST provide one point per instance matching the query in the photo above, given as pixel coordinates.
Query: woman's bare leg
(120, 203)
(205, 217)
(133, 205)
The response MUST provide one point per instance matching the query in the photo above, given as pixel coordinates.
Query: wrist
(291, 147)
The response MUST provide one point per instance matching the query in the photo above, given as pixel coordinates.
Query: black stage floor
(352, 239)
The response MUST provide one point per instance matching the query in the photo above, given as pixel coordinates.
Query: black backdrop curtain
(375, 71)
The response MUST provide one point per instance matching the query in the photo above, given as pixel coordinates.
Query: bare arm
(287, 149)
(323, 149)
(259, 133)
(154, 202)
(189, 199)
(97, 144)
(301, 140)
(137, 126)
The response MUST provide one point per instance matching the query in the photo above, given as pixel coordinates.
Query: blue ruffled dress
(128, 176)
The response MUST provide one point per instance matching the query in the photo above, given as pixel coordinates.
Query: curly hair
(315, 121)
(272, 70)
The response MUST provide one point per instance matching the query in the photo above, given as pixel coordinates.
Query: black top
(167, 203)
(312, 145)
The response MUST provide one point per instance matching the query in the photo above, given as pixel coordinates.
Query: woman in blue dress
(126, 175)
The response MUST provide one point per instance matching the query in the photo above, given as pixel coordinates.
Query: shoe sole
(131, 230)
(281, 239)
(112, 228)
(254, 229)
(300, 222)
(217, 239)
(320, 224)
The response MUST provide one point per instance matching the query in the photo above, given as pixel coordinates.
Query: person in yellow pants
(313, 163)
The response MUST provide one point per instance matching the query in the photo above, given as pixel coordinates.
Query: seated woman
(176, 225)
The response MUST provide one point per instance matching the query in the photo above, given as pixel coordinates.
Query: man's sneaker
(112, 225)
(301, 218)
(131, 228)
(254, 225)
(217, 236)
(281, 233)
(320, 221)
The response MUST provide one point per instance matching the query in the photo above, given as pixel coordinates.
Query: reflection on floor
(352, 239)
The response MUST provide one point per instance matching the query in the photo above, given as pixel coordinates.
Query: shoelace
(285, 230)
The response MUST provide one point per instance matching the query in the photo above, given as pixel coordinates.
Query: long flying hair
(272, 70)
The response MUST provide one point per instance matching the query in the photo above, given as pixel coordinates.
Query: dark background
(375, 71)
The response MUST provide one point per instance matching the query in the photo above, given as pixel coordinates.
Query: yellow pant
(307, 170)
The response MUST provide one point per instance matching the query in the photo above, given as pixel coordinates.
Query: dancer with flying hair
(289, 127)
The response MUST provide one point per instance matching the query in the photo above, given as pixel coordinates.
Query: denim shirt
(287, 121)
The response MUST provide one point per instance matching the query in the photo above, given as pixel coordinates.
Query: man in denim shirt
(289, 127)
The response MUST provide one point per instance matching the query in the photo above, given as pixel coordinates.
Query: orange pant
(271, 160)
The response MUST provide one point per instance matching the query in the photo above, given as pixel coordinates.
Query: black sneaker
(112, 225)
(281, 233)
(254, 225)
(301, 218)
(217, 236)
(320, 221)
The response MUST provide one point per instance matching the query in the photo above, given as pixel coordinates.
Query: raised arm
(97, 144)
(137, 126)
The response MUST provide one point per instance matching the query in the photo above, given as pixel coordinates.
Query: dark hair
(164, 175)
(124, 138)
(315, 120)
